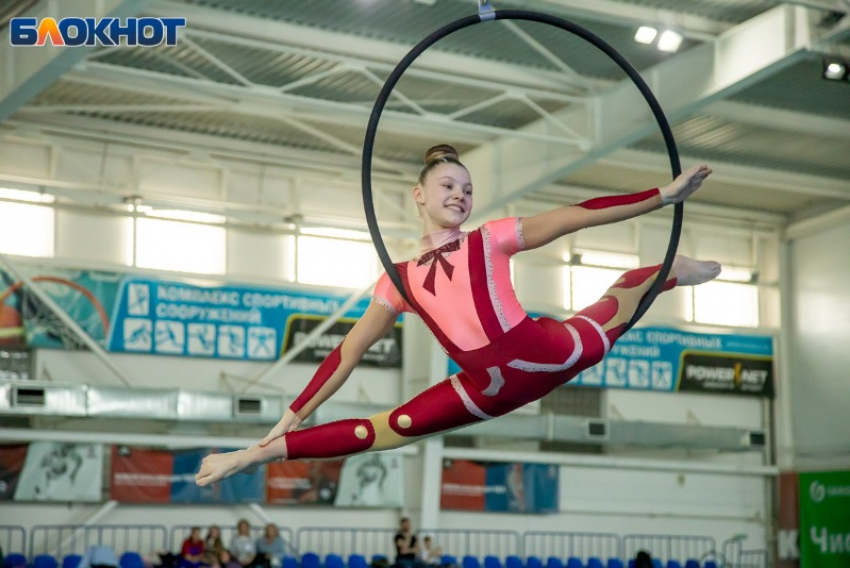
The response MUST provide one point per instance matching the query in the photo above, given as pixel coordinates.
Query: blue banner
(234, 322)
(666, 359)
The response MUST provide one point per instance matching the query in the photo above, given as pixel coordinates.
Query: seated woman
(460, 285)
(270, 547)
(192, 551)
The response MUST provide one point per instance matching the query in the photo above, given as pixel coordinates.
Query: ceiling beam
(778, 119)
(27, 71)
(683, 84)
(627, 13)
(361, 48)
(755, 177)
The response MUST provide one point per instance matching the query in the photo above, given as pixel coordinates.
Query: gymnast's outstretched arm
(335, 369)
(546, 227)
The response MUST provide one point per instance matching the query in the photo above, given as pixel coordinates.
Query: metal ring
(392, 80)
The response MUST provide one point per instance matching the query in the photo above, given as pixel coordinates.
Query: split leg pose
(460, 285)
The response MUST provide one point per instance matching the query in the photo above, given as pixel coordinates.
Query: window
(730, 300)
(25, 229)
(327, 261)
(592, 273)
(179, 245)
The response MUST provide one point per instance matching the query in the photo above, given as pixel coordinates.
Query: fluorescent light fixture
(670, 41)
(834, 70)
(736, 274)
(646, 35)
(30, 196)
(179, 215)
(609, 259)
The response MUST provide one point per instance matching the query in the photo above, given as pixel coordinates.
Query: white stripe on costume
(605, 341)
(549, 367)
(471, 407)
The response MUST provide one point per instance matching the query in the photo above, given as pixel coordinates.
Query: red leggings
(521, 366)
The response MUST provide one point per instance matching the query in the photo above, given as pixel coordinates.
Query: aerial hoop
(486, 13)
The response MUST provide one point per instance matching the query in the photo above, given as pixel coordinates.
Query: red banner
(141, 476)
(788, 539)
(464, 486)
(11, 463)
(314, 482)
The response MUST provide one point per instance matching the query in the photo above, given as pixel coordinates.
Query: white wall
(819, 336)
(593, 499)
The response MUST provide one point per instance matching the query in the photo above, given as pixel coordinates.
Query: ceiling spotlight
(670, 41)
(646, 35)
(834, 70)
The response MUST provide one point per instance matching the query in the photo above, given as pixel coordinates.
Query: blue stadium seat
(448, 560)
(615, 563)
(573, 562)
(554, 562)
(14, 560)
(594, 562)
(492, 562)
(632, 563)
(513, 562)
(356, 561)
(673, 564)
(44, 561)
(310, 560)
(71, 561)
(533, 562)
(692, 563)
(334, 561)
(131, 560)
(710, 564)
(470, 562)
(288, 562)
(656, 563)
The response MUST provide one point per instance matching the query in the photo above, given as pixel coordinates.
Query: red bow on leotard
(437, 256)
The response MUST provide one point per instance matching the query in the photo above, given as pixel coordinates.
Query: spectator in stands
(270, 547)
(431, 554)
(213, 547)
(643, 560)
(242, 547)
(192, 551)
(99, 557)
(406, 545)
(226, 560)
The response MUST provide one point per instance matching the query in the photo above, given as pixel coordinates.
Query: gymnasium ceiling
(298, 77)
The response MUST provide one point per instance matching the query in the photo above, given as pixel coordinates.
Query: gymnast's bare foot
(216, 467)
(690, 272)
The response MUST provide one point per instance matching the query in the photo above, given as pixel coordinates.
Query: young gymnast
(460, 285)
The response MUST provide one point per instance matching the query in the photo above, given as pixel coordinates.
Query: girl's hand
(288, 423)
(683, 186)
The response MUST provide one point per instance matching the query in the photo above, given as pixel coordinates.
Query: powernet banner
(825, 519)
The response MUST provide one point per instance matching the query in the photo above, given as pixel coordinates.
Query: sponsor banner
(825, 519)
(12, 459)
(371, 480)
(129, 314)
(302, 482)
(665, 359)
(788, 535)
(499, 487)
(15, 364)
(386, 352)
(56, 471)
(87, 296)
(233, 322)
(160, 476)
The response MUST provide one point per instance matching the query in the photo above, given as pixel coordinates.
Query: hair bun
(440, 152)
